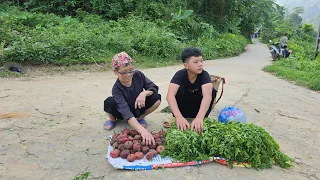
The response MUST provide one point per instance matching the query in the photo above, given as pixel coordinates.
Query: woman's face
(125, 73)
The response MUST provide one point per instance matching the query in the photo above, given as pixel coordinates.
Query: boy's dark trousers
(189, 102)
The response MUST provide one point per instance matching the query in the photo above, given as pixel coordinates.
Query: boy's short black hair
(285, 34)
(189, 52)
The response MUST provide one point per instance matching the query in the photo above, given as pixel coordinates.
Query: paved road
(59, 131)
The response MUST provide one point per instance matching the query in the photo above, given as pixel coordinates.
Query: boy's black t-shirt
(181, 79)
(189, 95)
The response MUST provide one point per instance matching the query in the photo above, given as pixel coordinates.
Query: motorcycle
(276, 51)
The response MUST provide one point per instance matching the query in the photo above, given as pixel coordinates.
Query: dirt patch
(15, 115)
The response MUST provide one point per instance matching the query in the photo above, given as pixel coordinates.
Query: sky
(312, 8)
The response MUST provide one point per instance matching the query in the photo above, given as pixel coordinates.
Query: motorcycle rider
(286, 53)
(284, 40)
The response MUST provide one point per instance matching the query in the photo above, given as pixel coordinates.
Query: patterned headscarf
(120, 60)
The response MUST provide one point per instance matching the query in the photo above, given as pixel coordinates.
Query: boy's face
(194, 64)
(125, 73)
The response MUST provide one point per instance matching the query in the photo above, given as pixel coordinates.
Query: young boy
(134, 96)
(190, 93)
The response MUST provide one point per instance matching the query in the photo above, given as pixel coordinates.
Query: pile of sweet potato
(129, 145)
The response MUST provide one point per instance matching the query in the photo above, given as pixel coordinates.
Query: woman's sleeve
(122, 105)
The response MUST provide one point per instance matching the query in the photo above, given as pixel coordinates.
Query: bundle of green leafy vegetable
(234, 141)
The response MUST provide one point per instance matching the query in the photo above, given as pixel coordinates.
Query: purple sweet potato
(139, 155)
(136, 147)
(121, 147)
(149, 155)
(131, 157)
(115, 145)
(154, 152)
(126, 131)
(145, 149)
(115, 153)
(128, 145)
(153, 146)
(160, 149)
(134, 132)
(137, 137)
(130, 138)
(124, 154)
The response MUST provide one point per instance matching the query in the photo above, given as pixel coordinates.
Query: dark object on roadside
(14, 67)
(277, 51)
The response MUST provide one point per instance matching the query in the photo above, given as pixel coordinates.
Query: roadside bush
(223, 46)
(36, 38)
(67, 40)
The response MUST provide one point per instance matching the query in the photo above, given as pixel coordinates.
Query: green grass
(166, 110)
(7, 74)
(82, 176)
(305, 73)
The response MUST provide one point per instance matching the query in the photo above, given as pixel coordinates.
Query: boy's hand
(182, 124)
(197, 125)
(147, 137)
(140, 101)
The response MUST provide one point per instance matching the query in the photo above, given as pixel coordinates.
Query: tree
(295, 16)
(308, 29)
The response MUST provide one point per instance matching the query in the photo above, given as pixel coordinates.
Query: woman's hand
(140, 101)
(147, 137)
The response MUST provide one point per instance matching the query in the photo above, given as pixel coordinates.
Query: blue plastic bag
(232, 113)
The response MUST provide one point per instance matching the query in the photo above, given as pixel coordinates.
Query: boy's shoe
(143, 123)
(108, 125)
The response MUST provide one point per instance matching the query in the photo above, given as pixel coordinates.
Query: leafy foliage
(236, 142)
(233, 16)
(295, 17)
(91, 31)
(37, 38)
(227, 16)
(82, 176)
(40, 39)
(224, 46)
(308, 29)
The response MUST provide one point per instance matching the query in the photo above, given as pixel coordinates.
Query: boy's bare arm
(182, 123)
(197, 123)
(206, 100)
(172, 91)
